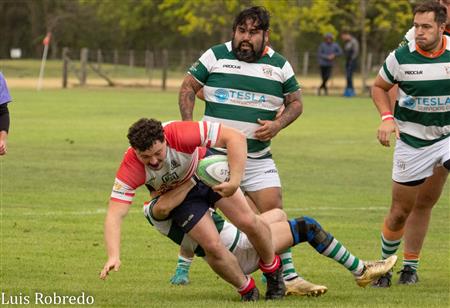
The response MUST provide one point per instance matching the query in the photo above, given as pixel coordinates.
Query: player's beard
(430, 45)
(250, 55)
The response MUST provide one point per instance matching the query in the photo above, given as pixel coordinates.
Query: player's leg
(262, 184)
(307, 229)
(417, 223)
(236, 209)
(181, 276)
(194, 219)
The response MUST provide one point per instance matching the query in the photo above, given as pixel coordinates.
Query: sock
(411, 259)
(247, 286)
(340, 254)
(184, 263)
(289, 272)
(272, 267)
(390, 241)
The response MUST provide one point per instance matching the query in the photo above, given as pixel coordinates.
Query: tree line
(296, 25)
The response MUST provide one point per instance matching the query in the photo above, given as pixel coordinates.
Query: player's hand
(3, 147)
(225, 189)
(385, 130)
(111, 264)
(268, 130)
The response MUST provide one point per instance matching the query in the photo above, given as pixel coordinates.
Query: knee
(214, 249)
(249, 224)
(397, 217)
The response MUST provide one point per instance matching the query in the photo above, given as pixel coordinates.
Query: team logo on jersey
(174, 164)
(267, 71)
(447, 69)
(221, 95)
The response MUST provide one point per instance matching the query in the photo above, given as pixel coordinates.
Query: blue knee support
(308, 229)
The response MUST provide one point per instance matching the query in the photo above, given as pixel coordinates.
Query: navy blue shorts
(197, 202)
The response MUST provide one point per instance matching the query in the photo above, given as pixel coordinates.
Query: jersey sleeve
(5, 97)
(131, 175)
(202, 67)
(290, 83)
(389, 69)
(188, 136)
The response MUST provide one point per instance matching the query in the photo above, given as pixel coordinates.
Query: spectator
(351, 52)
(328, 51)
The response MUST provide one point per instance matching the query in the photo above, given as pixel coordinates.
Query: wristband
(386, 116)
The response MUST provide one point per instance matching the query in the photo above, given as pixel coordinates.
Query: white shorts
(260, 174)
(412, 164)
(246, 255)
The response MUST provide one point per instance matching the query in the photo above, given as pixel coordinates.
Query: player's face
(249, 41)
(154, 156)
(428, 33)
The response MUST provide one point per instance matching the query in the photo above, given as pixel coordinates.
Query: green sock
(339, 253)
(289, 272)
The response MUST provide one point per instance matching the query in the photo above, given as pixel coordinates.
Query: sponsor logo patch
(221, 95)
(238, 67)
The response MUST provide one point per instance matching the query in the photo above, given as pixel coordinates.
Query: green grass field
(64, 150)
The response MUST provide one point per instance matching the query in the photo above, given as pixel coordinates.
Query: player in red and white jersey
(186, 144)
(164, 158)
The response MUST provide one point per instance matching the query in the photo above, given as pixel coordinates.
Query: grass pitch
(64, 150)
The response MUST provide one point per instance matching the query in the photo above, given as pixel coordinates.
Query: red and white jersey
(186, 145)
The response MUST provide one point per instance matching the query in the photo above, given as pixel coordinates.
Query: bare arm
(171, 199)
(186, 98)
(113, 222)
(236, 145)
(293, 109)
(381, 99)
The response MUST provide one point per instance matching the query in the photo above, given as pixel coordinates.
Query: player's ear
(266, 37)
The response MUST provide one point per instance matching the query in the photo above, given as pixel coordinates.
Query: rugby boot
(383, 281)
(375, 269)
(301, 287)
(275, 284)
(250, 296)
(408, 276)
(181, 277)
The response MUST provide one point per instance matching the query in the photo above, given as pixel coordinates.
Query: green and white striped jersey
(229, 234)
(422, 111)
(238, 93)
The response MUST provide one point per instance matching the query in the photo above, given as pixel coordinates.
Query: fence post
(99, 58)
(83, 65)
(369, 62)
(131, 58)
(165, 63)
(116, 59)
(149, 61)
(305, 63)
(65, 58)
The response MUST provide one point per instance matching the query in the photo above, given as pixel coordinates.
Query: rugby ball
(213, 170)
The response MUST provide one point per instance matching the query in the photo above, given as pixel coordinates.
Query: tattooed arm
(293, 109)
(186, 98)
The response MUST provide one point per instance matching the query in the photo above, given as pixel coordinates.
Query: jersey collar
(436, 53)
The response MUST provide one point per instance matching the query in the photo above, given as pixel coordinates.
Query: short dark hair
(258, 14)
(440, 11)
(144, 133)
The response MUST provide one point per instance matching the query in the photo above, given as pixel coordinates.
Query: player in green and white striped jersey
(422, 126)
(409, 36)
(285, 234)
(245, 83)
